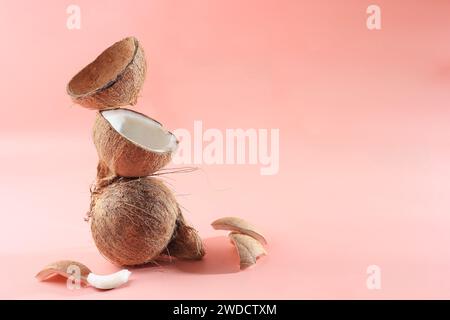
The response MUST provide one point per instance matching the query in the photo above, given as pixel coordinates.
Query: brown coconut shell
(186, 242)
(249, 249)
(122, 157)
(238, 225)
(113, 79)
(133, 220)
(61, 268)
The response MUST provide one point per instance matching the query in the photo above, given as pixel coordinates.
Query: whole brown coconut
(130, 144)
(113, 79)
(135, 220)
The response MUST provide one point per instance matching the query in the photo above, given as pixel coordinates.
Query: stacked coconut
(134, 217)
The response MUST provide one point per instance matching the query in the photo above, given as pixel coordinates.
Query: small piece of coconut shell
(61, 268)
(113, 79)
(238, 225)
(249, 249)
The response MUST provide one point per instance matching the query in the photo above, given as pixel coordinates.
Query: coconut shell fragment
(64, 268)
(131, 144)
(113, 79)
(186, 242)
(238, 225)
(248, 248)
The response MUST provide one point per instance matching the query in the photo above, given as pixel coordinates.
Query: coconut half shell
(113, 79)
(131, 144)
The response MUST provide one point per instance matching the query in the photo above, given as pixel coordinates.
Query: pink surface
(364, 124)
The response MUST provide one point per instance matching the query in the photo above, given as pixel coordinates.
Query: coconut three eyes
(134, 221)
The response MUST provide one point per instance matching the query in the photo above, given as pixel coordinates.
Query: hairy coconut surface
(131, 144)
(113, 79)
(133, 220)
(186, 242)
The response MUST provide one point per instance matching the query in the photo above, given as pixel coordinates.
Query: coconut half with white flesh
(113, 79)
(130, 144)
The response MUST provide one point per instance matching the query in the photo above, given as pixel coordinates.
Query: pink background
(364, 156)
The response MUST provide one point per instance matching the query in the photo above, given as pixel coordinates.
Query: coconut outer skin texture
(133, 220)
(186, 243)
(123, 89)
(121, 156)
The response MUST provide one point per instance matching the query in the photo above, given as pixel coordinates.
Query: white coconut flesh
(141, 130)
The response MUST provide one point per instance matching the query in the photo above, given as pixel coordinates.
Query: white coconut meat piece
(142, 130)
(130, 144)
(110, 281)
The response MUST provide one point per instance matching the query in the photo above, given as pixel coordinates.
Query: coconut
(130, 144)
(133, 221)
(113, 79)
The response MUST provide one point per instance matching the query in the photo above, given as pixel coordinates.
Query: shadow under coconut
(220, 258)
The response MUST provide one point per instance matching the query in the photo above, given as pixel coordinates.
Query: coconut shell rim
(109, 83)
(134, 143)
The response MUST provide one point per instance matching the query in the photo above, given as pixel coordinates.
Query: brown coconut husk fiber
(120, 156)
(186, 242)
(133, 221)
(113, 79)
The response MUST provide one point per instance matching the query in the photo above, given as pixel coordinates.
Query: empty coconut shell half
(113, 79)
(130, 144)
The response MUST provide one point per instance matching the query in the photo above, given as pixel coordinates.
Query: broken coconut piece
(248, 248)
(134, 220)
(130, 144)
(68, 268)
(113, 79)
(64, 268)
(238, 225)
